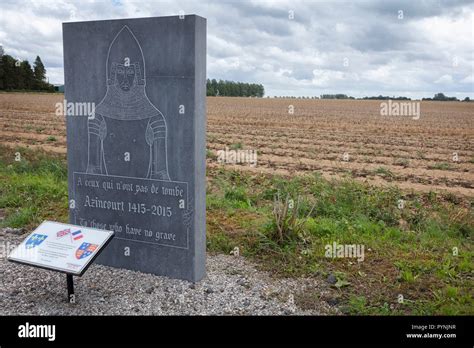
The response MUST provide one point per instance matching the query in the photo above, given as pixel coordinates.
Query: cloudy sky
(302, 48)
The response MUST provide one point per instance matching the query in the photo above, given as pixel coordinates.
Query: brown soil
(383, 150)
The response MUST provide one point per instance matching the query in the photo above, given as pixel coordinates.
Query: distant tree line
(335, 96)
(344, 96)
(19, 75)
(234, 89)
(294, 97)
(442, 97)
(382, 97)
(437, 97)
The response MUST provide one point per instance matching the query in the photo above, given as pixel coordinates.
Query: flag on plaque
(63, 233)
(77, 235)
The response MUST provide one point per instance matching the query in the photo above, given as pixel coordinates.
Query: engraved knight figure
(126, 125)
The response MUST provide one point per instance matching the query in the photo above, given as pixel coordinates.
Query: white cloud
(468, 79)
(445, 79)
(429, 51)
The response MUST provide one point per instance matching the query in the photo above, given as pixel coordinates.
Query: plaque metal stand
(70, 287)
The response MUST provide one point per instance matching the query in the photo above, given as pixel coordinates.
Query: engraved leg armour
(97, 130)
(156, 139)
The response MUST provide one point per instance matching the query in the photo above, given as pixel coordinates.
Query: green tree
(233, 89)
(214, 86)
(26, 76)
(19, 75)
(210, 89)
(40, 71)
(8, 73)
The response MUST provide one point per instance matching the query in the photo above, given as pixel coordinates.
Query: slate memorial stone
(136, 157)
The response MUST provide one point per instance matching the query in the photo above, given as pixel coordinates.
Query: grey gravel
(331, 279)
(15, 231)
(233, 286)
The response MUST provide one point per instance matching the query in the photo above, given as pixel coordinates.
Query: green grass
(236, 146)
(415, 259)
(441, 166)
(210, 154)
(383, 172)
(33, 189)
(404, 162)
(412, 260)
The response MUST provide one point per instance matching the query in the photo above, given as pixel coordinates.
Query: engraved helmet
(126, 97)
(125, 58)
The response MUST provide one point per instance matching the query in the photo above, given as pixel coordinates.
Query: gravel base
(232, 287)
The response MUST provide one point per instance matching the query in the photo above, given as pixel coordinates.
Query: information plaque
(61, 247)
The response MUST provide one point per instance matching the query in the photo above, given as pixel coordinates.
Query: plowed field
(336, 138)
